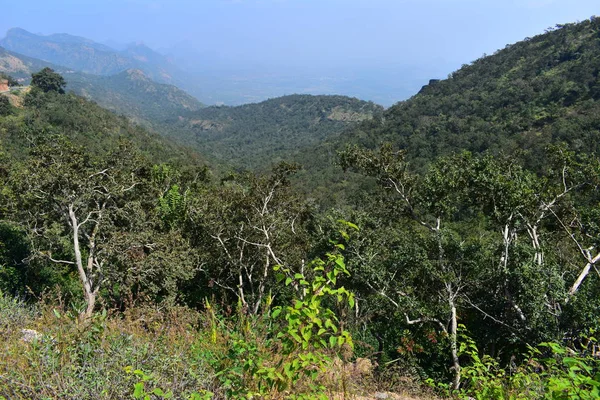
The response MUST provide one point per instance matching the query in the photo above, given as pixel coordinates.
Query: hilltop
(261, 134)
(535, 92)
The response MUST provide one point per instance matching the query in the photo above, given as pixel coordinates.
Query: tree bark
(88, 293)
(583, 274)
(454, 338)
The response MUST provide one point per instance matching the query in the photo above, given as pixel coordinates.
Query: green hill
(261, 134)
(131, 93)
(87, 124)
(538, 91)
(134, 94)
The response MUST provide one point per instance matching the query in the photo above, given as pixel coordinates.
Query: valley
(302, 246)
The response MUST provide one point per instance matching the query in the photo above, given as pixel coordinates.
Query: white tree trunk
(453, 338)
(583, 274)
(88, 293)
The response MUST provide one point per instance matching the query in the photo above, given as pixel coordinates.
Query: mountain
(134, 94)
(71, 51)
(87, 124)
(541, 91)
(21, 67)
(258, 135)
(536, 92)
(84, 55)
(131, 92)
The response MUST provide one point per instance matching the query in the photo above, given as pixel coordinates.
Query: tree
(246, 227)
(487, 237)
(5, 107)
(11, 81)
(74, 205)
(48, 81)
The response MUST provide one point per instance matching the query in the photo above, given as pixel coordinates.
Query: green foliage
(571, 375)
(550, 371)
(503, 242)
(535, 92)
(11, 81)
(312, 328)
(257, 136)
(172, 206)
(306, 334)
(133, 94)
(5, 107)
(14, 249)
(48, 81)
(86, 361)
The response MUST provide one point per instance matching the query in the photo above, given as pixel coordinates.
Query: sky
(304, 35)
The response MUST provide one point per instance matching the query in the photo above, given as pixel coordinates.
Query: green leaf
(138, 390)
(332, 341)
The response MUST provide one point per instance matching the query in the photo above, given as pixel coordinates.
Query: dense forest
(258, 136)
(446, 247)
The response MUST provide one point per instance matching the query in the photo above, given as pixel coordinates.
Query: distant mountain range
(250, 136)
(131, 92)
(87, 56)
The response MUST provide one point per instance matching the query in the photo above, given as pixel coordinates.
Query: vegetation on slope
(470, 271)
(130, 93)
(539, 91)
(133, 94)
(263, 134)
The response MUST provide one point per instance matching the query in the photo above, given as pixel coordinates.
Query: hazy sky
(301, 33)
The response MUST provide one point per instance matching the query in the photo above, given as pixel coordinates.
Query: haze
(247, 50)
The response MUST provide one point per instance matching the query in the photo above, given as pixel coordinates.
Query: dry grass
(174, 346)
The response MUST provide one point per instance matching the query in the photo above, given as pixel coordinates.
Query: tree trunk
(453, 338)
(583, 274)
(88, 293)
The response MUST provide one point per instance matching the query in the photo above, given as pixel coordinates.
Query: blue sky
(437, 35)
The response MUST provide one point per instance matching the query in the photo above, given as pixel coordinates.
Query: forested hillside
(262, 134)
(86, 56)
(96, 129)
(131, 93)
(535, 92)
(452, 251)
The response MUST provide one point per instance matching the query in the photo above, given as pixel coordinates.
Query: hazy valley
(300, 246)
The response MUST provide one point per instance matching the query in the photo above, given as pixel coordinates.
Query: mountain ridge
(257, 135)
(131, 92)
(87, 56)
